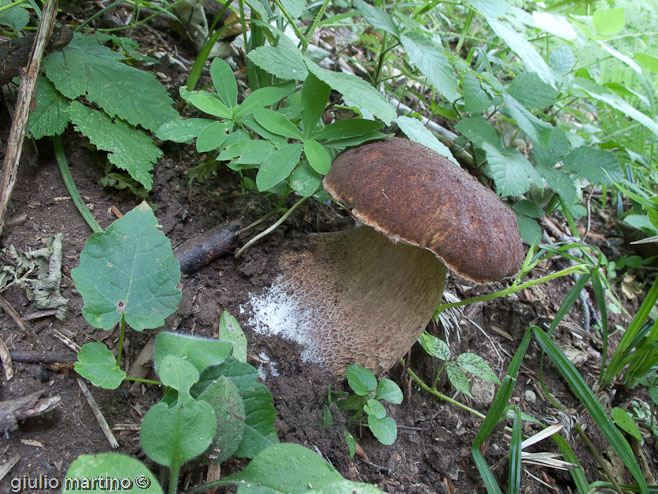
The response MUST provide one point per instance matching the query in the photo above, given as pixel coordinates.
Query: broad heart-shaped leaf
(130, 270)
(346, 487)
(361, 380)
(285, 469)
(529, 229)
(284, 62)
(182, 130)
(478, 130)
(608, 21)
(128, 148)
(50, 116)
(276, 123)
(224, 398)
(295, 8)
(432, 63)
(377, 17)
(259, 430)
(97, 364)
(179, 374)
(596, 165)
(305, 180)
(562, 60)
(356, 90)
(86, 67)
(132, 474)
(558, 147)
(17, 16)
(224, 82)
(389, 391)
(416, 131)
(560, 182)
(172, 436)
(537, 129)
(477, 366)
(278, 166)
(384, 429)
(200, 352)
(315, 95)
(230, 331)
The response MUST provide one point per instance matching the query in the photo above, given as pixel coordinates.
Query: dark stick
(205, 248)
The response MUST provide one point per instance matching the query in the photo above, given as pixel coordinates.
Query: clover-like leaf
(130, 271)
(97, 364)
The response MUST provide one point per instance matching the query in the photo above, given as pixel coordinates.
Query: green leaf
(172, 436)
(281, 61)
(128, 270)
(625, 422)
(285, 469)
(261, 98)
(315, 95)
(557, 148)
(562, 60)
(97, 364)
(182, 130)
(305, 180)
(596, 165)
(374, 407)
(458, 379)
(537, 129)
(295, 8)
(478, 130)
(434, 346)
(86, 67)
(212, 136)
(247, 152)
(476, 365)
(384, 429)
(129, 148)
(489, 8)
(225, 400)
(432, 62)
(210, 104)
(529, 229)
(361, 380)
(317, 156)
(17, 17)
(515, 467)
(351, 442)
(278, 166)
(346, 487)
(560, 182)
(349, 127)
(647, 61)
(230, 330)
(276, 123)
(178, 373)
(87, 468)
(528, 208)
(524, 49)
(377, 17)
(510, 170)
(476, 99)
(389, 391)
(609, 21)
(50, 116)
(357, 90)
(200, 352)
(529, 90)
(224, 82)
(416, 131)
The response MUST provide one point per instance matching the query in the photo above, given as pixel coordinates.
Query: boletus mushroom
(365, 295)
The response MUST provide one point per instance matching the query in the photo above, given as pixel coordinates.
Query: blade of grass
(577, 474)
(515, 455)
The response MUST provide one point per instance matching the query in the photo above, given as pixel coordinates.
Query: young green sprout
(365, 295)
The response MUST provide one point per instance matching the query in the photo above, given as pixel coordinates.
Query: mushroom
(365, 295)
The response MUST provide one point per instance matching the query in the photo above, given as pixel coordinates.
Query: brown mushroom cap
(409, 192)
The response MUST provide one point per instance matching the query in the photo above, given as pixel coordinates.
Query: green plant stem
(467, 26)
(602, 463)
(515, 288)
(173, 479)
(308, 36)
(70, 185)
(7, 7)
(121, 336)
(291, 21)
(271, 228)
(145, 381)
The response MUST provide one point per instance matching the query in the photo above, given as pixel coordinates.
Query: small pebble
(529, 396)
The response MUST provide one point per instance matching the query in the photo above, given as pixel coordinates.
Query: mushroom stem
(357, 297)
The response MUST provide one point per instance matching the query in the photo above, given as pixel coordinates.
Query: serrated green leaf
(209, 103)
(346, 487)
(361, 380)
(524, 49)
(182, 130)
(261, 98)
(434, 346)
(276, 123)
(97, 364)
(129, 148)
(476, 99)
(458, 379)
(537, 129)
(305, 180)
(295, 8)
(384, 429)
(213, 136)
(489, 8)
(87, 468)
(278, 166)
(432, 63)
(281, 61)
(50, 116)
(609, 21)
(562, 60)
(529, 90)
(560, 182)
(596, 165)
(528, 208)
(315, 95)
(377, 17)
(200, 352)
(389, 391)
(529, 229)
(230, 330)
(416, 131)
(349, 127)
(224, 82)
(476, 365)
(479, 131)
(317, 156)
(16, 17)
(128, 270)
(356, 89)
(86, 67)
(557, 148)
(374, 407)
(625, 422)
(510, 170)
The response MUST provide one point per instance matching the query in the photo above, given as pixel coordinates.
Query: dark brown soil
(433, 451)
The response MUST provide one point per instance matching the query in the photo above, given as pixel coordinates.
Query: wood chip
(32, 442)
(5, 356)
